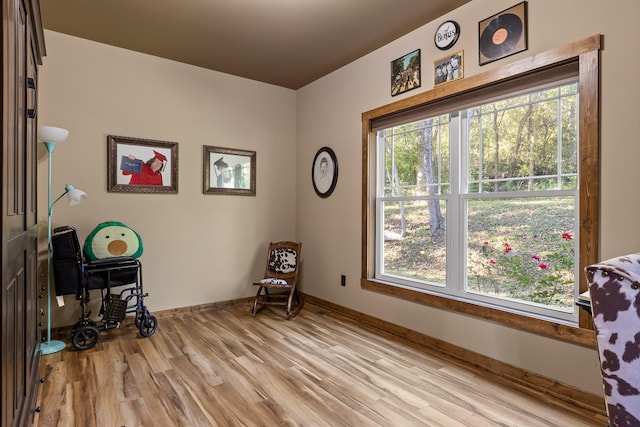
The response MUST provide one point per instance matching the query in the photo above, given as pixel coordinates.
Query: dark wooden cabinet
(22, 51)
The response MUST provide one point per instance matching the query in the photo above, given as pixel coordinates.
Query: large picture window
(503, 175)
(483, 198)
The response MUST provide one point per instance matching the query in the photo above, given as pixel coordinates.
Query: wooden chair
(279, 285)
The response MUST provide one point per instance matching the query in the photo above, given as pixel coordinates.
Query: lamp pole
(50, 136)
(50, 346)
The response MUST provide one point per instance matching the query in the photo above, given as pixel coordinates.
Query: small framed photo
(405, 73)
(228, 171)
(136, 165)
(448, 68)
(324, 172)
(503, 34)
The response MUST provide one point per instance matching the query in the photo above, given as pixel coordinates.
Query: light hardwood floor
(227, 368)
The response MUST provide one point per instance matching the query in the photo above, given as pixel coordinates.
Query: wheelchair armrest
(110, 264)
(112, 260)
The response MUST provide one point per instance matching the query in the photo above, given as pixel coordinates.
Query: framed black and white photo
(136, 165)
(405, 73)
(228, 171)
(324, 172)
(448, 68)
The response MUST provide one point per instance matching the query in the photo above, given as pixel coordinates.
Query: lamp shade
(74, 195)
(52, 134)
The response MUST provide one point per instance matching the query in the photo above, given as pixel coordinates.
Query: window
(503, 175)
(482, 197)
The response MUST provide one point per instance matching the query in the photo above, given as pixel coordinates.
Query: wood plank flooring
(227, 368)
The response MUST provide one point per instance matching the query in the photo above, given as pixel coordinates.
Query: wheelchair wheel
(148, 325)
(85, 338)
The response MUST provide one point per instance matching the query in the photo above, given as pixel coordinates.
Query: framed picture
(324, 172)
(228, 171)
(503, 34)
(136, 165)
(449, 68)
(405, 73)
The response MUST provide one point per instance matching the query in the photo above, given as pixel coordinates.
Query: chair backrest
(283, 260)
(614, 288)
(66, 260)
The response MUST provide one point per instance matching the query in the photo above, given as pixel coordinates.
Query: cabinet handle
(38, 409)
(31, 84)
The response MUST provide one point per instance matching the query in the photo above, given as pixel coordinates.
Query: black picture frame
(503, 34)
(228, 171)
(406, 73)
(131, 165)
(324, 172)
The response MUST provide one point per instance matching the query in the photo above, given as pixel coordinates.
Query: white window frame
(456, 201)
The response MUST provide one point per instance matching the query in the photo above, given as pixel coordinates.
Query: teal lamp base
(53, 346)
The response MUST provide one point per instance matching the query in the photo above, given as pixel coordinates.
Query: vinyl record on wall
(503, 34)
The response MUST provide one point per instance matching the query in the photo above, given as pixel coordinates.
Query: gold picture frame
(137, 165)
(448, 68)
(228, 171)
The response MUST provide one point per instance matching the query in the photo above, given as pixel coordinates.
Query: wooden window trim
(587, 53)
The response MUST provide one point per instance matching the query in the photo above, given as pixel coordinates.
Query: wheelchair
(73, 274)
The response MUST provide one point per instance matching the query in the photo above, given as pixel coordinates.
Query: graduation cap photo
(136, 165)
(228, 171)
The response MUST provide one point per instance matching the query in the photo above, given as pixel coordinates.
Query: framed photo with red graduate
(136, 165)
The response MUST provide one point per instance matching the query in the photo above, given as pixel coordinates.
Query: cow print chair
(280, 283)
(615, 302)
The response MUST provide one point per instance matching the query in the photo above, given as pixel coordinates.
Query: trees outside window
(481, 202)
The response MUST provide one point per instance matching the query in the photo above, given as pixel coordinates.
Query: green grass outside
(531, 227)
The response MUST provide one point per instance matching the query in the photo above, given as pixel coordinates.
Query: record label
(500, 36)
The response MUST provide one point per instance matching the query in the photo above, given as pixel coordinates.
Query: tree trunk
(394, 182)
(436, 219)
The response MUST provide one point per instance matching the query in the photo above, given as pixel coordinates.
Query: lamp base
(52, 347)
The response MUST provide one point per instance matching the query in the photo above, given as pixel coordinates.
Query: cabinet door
(20, 333)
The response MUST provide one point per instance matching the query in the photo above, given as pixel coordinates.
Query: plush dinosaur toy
(111, 239)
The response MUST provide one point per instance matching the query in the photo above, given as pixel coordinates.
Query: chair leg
(254, 310)
(290, 312)
(289, 302)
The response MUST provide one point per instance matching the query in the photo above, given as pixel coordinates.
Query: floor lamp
(50, 136)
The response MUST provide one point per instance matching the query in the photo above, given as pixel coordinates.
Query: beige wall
(331, 228)
(202, 249)
(198, 248)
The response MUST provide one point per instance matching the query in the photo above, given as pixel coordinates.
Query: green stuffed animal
(111, 239)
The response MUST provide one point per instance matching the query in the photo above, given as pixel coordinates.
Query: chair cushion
(283, 260)
(274, 281)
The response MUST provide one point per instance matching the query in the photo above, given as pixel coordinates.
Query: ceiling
(288, 43)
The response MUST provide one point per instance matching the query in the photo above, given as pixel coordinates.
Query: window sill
(577, 335)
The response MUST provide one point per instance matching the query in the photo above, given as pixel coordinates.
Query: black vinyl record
(501, 36)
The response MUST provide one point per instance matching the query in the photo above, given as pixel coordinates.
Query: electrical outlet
(343, 280)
